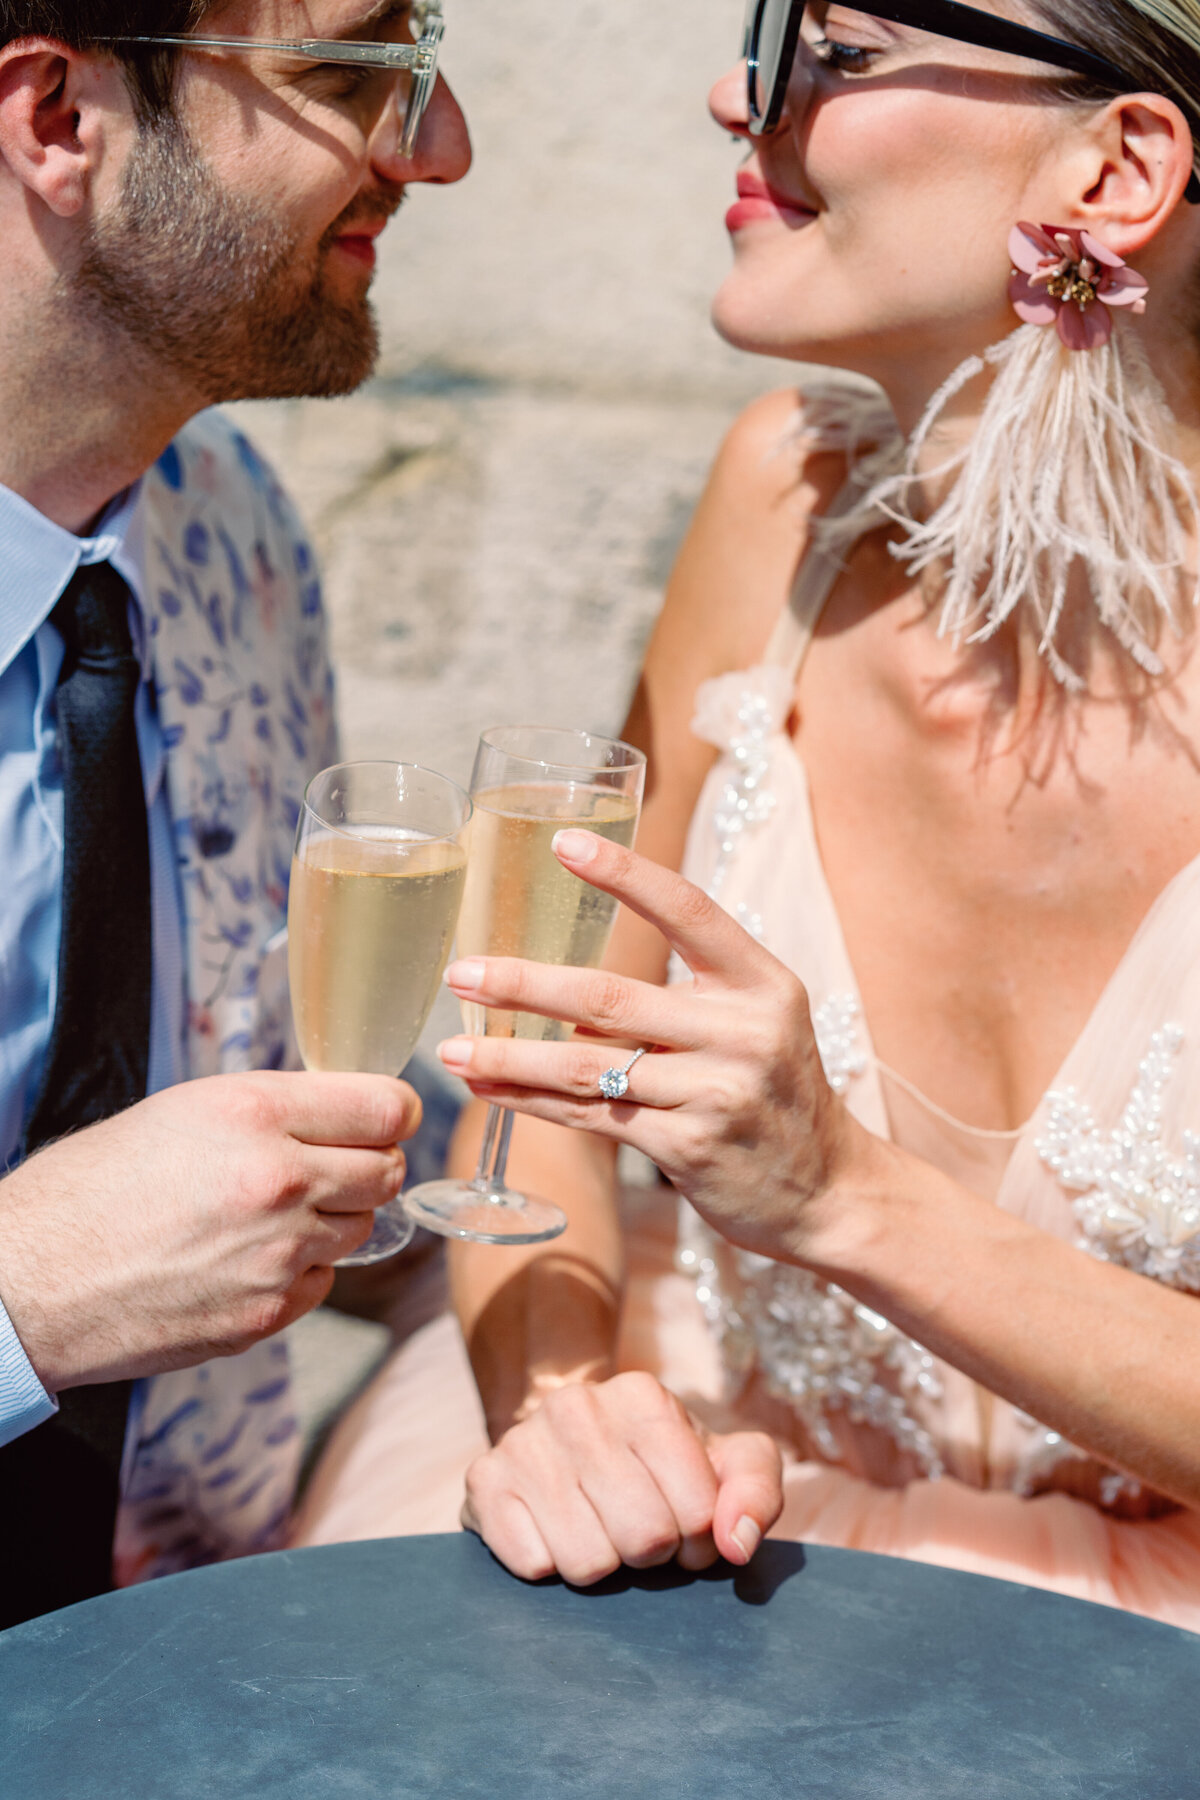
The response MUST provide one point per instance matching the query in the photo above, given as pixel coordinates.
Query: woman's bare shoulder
(758, 475)
(730, 584)
(737, 562)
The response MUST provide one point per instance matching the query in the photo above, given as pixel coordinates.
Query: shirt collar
(38, 559)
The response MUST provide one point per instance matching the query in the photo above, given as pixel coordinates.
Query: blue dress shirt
(37, 560)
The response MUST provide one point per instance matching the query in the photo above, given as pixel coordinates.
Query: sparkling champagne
(371, 920)
(519, 899)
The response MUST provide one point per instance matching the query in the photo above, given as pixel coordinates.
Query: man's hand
(196, 1223)
(617, 1472)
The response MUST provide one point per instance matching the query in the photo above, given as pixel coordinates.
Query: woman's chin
(744, 326)
(746, 323)
(884, 350)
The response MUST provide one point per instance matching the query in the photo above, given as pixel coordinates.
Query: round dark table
(418, 1667)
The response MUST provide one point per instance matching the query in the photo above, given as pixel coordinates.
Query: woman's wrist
(860, 1230)
(907, 1240)
(553, 1325)
(543, 1382)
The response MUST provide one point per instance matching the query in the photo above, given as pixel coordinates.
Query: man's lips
(358, 241)
(758, 200)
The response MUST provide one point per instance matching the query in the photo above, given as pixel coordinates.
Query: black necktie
(97, 1058)
(59, 1483)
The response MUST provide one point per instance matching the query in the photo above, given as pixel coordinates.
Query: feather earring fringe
(1068, 465)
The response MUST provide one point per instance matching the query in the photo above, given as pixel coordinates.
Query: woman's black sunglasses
(773, 36)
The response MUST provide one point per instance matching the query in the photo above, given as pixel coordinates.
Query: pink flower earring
(1067, 278)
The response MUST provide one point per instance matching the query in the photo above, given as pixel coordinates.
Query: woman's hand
(731, 1103)
(617, 1472)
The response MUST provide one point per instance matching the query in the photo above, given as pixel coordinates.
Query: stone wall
(497, 511)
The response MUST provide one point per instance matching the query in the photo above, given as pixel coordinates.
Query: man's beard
(212, 286)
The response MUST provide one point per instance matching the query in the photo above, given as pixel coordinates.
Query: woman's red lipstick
(758, 200)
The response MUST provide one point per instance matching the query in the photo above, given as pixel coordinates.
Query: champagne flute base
(392, 1231)
(479, 1213)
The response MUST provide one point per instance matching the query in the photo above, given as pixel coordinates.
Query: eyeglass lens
(415, 87)
(772, 32)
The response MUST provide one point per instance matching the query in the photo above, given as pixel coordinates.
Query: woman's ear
(54, 104)
(1133, 172)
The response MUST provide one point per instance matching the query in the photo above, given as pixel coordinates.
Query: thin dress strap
(819, 568)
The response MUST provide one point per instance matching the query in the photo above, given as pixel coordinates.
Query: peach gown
(887, 1449)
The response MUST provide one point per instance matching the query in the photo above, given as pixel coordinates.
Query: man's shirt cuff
(24, 1402)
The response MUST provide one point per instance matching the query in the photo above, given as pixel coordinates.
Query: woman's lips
(756, 200)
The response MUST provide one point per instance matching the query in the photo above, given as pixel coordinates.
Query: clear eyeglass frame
(418, 58)
(772, 32)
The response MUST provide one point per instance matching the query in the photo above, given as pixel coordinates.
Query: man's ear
(56, 109)
(1133, 171)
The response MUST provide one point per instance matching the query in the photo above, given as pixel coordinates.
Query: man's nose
(443, 150)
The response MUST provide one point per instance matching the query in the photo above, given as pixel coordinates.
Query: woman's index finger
(700, 931)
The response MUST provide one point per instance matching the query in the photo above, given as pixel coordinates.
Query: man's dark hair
(81, 23)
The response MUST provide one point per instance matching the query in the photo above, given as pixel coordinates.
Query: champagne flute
(529, 783)
(377, 882)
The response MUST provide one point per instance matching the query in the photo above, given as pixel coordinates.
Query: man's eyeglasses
(415, 63)
(772, 39)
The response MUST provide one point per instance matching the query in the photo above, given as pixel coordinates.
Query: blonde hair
(1156, 42)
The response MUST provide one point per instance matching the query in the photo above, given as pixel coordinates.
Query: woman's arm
(536, 1318)
(1107, 1357)
(587, 1471)
(540, 1315)
(736, 1109)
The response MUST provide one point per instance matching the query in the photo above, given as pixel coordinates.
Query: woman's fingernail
(747, 1536)
(465, 977)
(576, 846)
(456, 1053)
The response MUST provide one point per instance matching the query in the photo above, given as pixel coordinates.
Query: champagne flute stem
(493, 1152)
(501, 1162)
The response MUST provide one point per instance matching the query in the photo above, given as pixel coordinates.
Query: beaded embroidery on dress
(817, 1348)
(1138, 1205)
(1118, 1173)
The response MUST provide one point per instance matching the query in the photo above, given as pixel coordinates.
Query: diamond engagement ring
(614, 1083)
